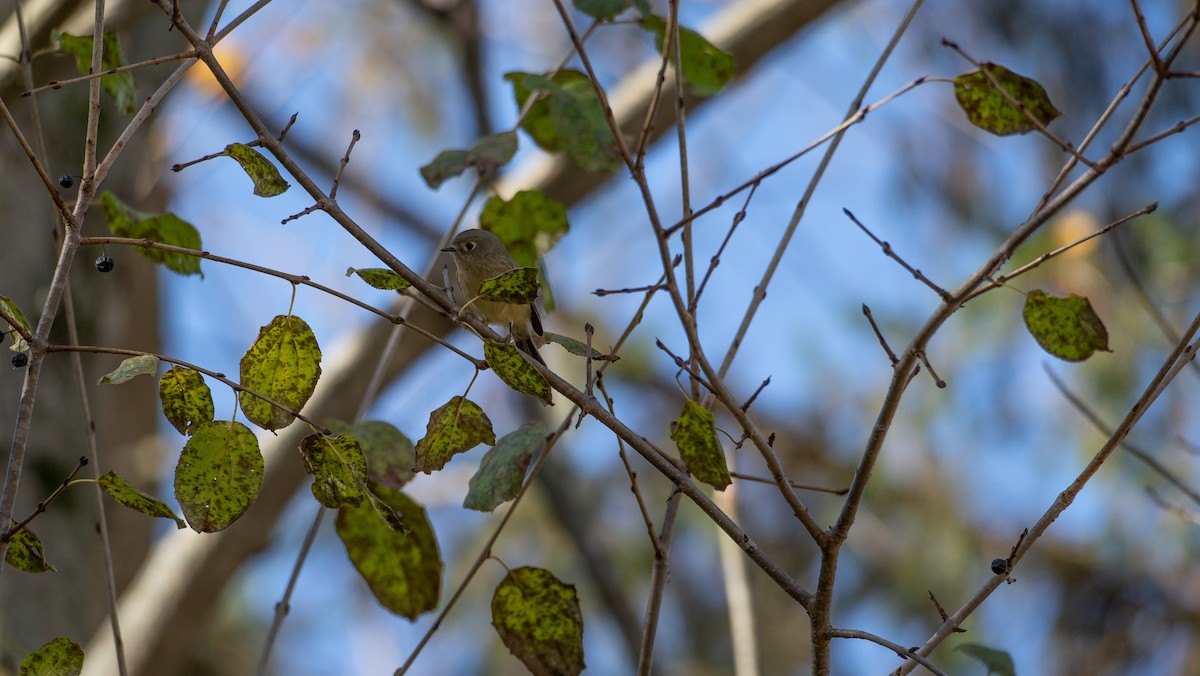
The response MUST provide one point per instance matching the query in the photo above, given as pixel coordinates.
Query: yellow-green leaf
(141, 365)
(283, 365)
(117, 85)
(706, 69)
(695, 435)
(516, 371)
(538, 618)
(267, 181)
(219, 474)
(59, 657)
(130, 496)
(607, 10)
(124, 221)
(390, 455)
(403, 570)
(26, 553)
(380, 278)
(987, 108)
(502, 470)
(186, 399)
(10, 309)
(1067, 328)
(338, 468)
(529, 224)
(518, 287)
(457, 426)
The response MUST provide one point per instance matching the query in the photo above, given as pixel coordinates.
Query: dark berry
(19, 360)
(66, 180)
(105, 263)
(999, 566)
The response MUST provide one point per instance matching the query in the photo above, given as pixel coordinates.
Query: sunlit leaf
(695, 435)
(457, 426)
(186, 399)
(569, 118)
(128, 495)
(987, 108)
(403, 570)
(283, 364)
(380, 278)
(117, 85)
(267, 180)
(390, 455)
(706, 69)
(338, 469)
(529, 224)
(516, 371)
(59, 657)
(538, 618)
(219, 474)
(502, 470)
(26, 553)
(124, 221)
(141, 365)
(1067, 328)
(996, 661)
(518, 287)
(10, 308)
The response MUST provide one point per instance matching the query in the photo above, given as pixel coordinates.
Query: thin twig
(283, 607)
(795, 484)
(337, 178)
(879, 335)
(6, 536)
(59, 84)
(659, 573)
(900, 650)
(890, 253)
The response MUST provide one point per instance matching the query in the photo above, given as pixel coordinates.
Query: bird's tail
(525, 344)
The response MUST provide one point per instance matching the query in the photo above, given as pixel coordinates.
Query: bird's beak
(450, 249)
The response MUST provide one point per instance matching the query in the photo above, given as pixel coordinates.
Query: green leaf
(338, 468)
(577, 347)
(568, 119)
(404, 571)
(219, 474)
(517, 287)
(459, 425)
(987, 108)
(1067, 328)
(502, 470)
(607, 10)
(529, 224)
(390, 455)
(267, 181)
(168, 228)
(26, 553)
(126, 494)
(117, 85)
(59, 657)
(538, 618)
(380, 278)
(695, 435)
(283, 365)
(516, 371)
(186, 399)
(488, 154)
(10, 309)
(706, 69)
(141, 365)
(996, 661)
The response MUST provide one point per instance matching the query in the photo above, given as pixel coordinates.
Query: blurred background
(1112, 589)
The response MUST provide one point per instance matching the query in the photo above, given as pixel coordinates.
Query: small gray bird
(481, 255)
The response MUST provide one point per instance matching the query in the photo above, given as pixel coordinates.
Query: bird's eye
(469, 246)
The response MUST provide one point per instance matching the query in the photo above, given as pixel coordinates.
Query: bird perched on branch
(480, 255)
